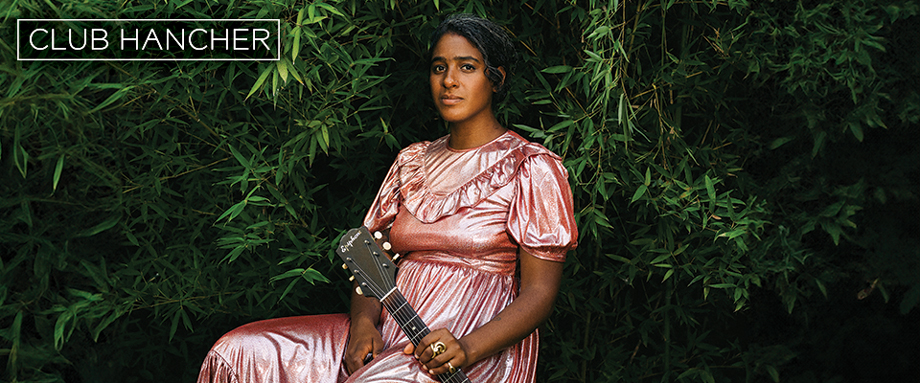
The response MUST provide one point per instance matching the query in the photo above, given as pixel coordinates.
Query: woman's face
(459, 86)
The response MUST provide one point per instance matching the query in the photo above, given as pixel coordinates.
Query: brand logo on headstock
(350, 243)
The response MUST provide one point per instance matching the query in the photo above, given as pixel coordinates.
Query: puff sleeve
(541, 216)
(389, 198)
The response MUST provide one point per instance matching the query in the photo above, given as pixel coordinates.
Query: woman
(484, 219)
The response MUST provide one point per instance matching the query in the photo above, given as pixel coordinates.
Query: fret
(376, 276)
(415, 328)
(417, 338)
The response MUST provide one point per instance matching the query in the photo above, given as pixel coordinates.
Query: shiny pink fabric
(283, 350)
(459, 217)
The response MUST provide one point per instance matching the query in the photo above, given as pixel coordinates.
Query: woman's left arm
(539, 286)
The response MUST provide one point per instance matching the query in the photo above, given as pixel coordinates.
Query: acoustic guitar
(375, 274)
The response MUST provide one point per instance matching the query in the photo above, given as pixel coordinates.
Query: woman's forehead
(452, 46)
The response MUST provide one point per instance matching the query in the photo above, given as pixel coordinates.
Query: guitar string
(383, 275)
(397, 311)
(446, 377)
(407, 319)
(399, 314)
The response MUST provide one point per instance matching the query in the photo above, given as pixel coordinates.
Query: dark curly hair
(495, 45)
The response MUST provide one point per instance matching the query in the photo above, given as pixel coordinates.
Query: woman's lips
(450, 100)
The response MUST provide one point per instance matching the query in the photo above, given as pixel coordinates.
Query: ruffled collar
(510, 149)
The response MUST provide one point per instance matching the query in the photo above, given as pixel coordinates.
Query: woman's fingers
(439, 351)
(353, 362)
(360, 347)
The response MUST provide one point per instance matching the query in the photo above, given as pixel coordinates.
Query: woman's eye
(468, 67)
(437, 68)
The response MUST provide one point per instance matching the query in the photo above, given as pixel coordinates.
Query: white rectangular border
(277, 23)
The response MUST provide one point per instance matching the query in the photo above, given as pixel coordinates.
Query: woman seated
(483, 218)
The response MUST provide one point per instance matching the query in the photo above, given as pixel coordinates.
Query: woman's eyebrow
(457, 58)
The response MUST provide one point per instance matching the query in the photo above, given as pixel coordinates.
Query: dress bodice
(478, 205)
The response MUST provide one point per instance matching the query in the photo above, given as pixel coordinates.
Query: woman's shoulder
(537, 159)
(530, 148)
(415, 150)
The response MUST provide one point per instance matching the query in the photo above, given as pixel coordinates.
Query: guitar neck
(414, 328)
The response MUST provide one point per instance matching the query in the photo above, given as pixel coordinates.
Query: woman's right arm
(363, 338)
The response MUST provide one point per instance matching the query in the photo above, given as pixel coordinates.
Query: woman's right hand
(364, 339)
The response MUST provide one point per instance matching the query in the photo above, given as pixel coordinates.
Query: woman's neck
(469, 135)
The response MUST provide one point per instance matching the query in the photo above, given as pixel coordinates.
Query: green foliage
(734, 164)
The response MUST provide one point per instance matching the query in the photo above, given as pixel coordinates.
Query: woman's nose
(449, 80)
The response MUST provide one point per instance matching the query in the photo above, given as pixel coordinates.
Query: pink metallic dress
(459, 217)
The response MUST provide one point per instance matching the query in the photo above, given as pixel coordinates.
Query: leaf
(779, 142)
(282, 69)
(174, 324)
(325, 142)
(233, 211)
(290, 287)
(287, 274)
(103, 226)
(260, 81)
(330, 8)
(234, 254)
(111, 99)
(707, 377)
(59, 327)
(774, 374)
(57, 173)
(856, 129)
(660, 258)
(15, 334)
(710, 188)
(821, 287)
(311, 275)
(295, 49)
(25, 213)
(599, 32)
(561, 125)
(819, 143)
(21, 158)
(239, 157)
(668, 275)
(558, 69)
(910, 299)
(638, 194)
(105, 323)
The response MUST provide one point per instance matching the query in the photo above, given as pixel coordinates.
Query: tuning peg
(387, 246)
(344, 267)
(378, 235)
(358, 290)
(351, 278)
(395, 256)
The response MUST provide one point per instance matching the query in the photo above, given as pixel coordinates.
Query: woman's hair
(491, 40)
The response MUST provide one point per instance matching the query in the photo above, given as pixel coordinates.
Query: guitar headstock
(372, 269)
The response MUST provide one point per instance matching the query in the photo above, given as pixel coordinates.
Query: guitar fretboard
(414, 328)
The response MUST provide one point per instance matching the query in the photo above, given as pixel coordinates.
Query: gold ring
(437, 348)
(450, 368)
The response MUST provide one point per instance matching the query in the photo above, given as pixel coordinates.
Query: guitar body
(375, 274)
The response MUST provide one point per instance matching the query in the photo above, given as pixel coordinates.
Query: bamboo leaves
(718, 152)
